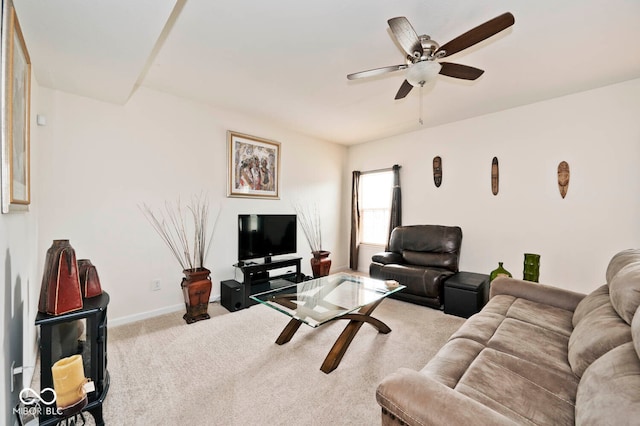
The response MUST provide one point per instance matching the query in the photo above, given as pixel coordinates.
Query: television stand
(256, 277)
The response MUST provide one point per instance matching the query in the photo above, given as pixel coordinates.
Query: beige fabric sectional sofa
(535, 354)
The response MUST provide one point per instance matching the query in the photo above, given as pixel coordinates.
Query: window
(375, 206)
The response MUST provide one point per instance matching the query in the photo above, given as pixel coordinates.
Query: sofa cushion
(499, 307)
(433, 238)
(499, 304)
(481, 329)
(518, 388)
(609, 392)
(452, 361)
(597, 333)
(593, 300)
(524, 340)
(620, 260)
(438, 260)
(624, 289)
(635, 331)
(545, 316)
(420, 258)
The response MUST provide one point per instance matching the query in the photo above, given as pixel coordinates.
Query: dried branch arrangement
(174, 228)
(309, 218)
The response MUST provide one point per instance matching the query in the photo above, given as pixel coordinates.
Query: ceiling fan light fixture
(422, 72)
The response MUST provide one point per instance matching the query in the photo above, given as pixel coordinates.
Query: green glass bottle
(531, 267)
(499, 272)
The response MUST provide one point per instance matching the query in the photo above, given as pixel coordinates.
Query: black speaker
(232, 295)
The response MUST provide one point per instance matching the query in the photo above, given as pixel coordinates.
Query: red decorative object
(89, 280)
(320, 263)
(60, 289)
(196, 287)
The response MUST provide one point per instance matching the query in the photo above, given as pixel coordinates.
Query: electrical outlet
(155, 285)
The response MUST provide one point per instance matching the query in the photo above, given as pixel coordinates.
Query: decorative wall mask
(563, 178)
(437, 171)
(495, 176)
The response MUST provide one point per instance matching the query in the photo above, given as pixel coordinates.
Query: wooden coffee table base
(341, 345)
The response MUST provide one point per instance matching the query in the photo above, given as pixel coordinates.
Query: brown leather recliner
(420, 257)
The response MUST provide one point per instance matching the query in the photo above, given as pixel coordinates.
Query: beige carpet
(228, 370)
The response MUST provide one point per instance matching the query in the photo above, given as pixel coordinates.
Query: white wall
(20, 287)
(101, 161)
(596, 132)
(17, 242)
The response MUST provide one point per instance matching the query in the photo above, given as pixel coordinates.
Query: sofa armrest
(417, 399)
(387, 257)
(541, 293)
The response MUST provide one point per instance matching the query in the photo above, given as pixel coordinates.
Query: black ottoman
(465, 293)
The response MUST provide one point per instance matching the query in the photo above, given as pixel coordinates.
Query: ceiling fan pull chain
(420, 119)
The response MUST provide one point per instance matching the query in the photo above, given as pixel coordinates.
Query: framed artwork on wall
(16, 97)
(254, 167)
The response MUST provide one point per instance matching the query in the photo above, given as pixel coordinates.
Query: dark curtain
(355, 220)
(396, 202)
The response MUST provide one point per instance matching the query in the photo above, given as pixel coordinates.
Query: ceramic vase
(499, 272)
(320, 263)
(531, 267)
(89, 280)
(60, 290)
(196, 288)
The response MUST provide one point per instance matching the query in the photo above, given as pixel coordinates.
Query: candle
(68, 381)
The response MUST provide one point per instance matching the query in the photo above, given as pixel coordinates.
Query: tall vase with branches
(187, 233)
(309, 218)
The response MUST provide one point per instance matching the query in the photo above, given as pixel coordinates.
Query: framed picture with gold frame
(254, 167)
(16, 98)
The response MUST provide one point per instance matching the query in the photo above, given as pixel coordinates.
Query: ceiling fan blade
(464, 72)
(478, 34)
(406, 35)
(376, 71)
(404, 90)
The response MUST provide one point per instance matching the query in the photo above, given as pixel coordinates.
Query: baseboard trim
(144, 315)
(150, 314)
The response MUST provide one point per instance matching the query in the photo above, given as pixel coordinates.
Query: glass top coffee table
(325, 299)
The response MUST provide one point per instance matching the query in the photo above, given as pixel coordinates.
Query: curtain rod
(388, 169)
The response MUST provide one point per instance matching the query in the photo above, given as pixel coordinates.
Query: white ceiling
(287, 60)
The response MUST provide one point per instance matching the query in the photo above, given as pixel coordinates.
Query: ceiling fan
(422, 53)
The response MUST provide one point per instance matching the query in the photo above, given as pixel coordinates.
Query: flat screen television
(266, 235)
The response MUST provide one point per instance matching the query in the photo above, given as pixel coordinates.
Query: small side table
(93, 350)
(465, 293)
